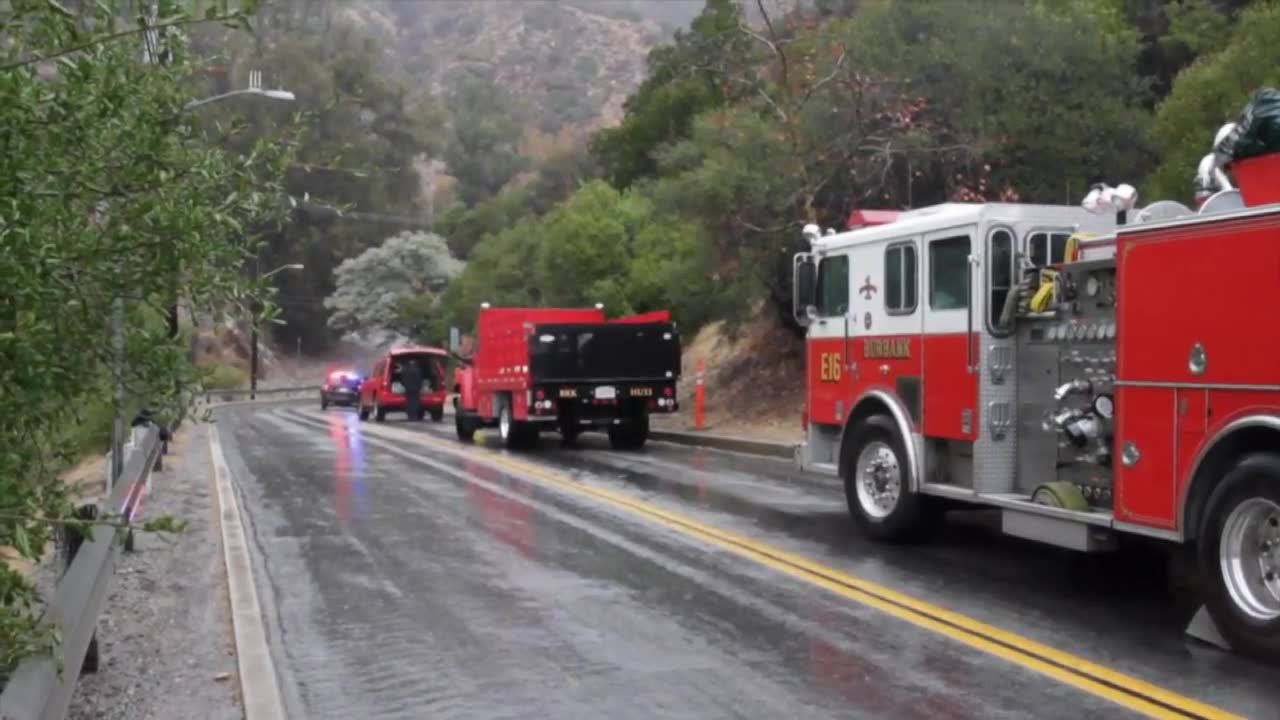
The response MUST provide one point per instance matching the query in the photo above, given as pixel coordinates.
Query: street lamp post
(253, 328)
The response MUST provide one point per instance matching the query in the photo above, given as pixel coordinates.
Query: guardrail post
(72, 539)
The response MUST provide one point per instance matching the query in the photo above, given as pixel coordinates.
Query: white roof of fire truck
(954, 215)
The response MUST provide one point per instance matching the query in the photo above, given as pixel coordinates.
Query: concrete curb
(749, 446)
(730, 443)
(258, 686)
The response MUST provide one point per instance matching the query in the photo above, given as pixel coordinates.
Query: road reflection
(508, 520)
(350, 499)
(875, 689)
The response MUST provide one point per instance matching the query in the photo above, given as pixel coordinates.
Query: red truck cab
(382, 392)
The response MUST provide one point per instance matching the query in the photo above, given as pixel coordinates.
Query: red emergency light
(869, 218)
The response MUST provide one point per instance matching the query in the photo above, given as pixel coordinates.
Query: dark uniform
(411, 378)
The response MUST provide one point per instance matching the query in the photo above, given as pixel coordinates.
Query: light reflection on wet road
(419, 584)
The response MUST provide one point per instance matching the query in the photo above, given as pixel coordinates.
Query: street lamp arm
(273, 94)
(290, 266)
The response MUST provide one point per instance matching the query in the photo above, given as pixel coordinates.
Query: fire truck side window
(1047, 248)
(1000, 279)
(949, 273)
(833, 286)
(900, 279)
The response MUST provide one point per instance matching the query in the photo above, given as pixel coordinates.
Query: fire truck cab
(1084, 377)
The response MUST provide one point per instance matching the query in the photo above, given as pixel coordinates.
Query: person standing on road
(411, 378)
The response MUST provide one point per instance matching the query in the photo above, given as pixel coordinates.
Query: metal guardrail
(42, 685)
(233, 395)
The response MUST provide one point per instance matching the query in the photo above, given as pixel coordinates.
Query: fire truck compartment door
(951, 298)
(1146, 439)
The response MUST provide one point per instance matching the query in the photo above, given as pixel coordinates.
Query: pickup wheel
(324, 402)
(362, 410)
(437, 414)
(379, 412)
(877, 483)
(465, 426)
(1239, 556)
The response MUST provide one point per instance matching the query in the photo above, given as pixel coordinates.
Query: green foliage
(225, 377)
(482, 153)
(109, 192)
(600, 245)
(1046, 97)
(685, 78)
(1211, 92)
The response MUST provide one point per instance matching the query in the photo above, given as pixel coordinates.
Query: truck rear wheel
(630, 435)
(1239, 556)
(515, 435)
(877, 483)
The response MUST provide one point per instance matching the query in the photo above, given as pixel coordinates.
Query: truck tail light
(539, 394)
(668, 391)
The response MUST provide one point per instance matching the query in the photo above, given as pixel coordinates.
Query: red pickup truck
(382, 392)
(568, 370)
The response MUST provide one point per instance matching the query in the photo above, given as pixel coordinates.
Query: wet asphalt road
(403, 581)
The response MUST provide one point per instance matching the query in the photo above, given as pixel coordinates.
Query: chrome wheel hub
(1249, 556)
(504, 423)
(878, 479)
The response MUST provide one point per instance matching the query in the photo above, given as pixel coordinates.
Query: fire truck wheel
(876, 484)
(1239, 552)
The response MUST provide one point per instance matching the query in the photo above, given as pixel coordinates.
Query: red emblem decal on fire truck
(867, 289)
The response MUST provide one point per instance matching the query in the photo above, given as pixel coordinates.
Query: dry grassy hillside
(568, 63)
(754, 381)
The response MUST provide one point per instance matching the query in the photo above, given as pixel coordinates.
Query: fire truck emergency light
(1106, 199)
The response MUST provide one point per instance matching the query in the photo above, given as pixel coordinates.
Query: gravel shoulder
(165, 638)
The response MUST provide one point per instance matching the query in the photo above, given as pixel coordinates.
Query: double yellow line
(1124, 690)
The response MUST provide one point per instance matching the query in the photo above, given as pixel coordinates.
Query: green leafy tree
(1210, 93)
(685, 78)
(483, 151)
(112, 195)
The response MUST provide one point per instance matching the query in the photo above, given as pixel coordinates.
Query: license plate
(608, 392)
(568, 392)
(641, 392)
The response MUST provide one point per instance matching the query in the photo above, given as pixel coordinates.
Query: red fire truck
(567, 370)
(1084, 375)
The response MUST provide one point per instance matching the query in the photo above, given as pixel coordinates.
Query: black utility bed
(604, 352)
